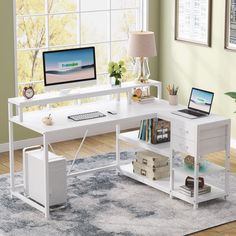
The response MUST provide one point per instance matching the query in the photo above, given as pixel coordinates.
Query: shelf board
(164, 185)
(215, 193)
(132, 137)
(211, 168)
(160, 184)
(46, 98)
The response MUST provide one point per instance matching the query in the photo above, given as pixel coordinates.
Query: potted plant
(232, 95)
(116, 70)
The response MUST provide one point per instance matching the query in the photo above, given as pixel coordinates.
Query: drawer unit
(212, 145)
(183, 130)
(206, 133)
(183, 145)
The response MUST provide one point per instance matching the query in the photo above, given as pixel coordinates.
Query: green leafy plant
(232, 95)
(116, 69)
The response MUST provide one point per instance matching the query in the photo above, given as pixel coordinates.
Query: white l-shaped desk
(196, 137)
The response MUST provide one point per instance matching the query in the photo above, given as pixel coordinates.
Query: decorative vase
(115, 81)
(173, 100)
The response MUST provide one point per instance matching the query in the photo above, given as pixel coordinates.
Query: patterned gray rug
(105, 204)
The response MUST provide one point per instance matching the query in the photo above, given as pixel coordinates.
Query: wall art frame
(230, 24)
(193, 19)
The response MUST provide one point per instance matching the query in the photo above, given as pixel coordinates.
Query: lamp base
(141, 70)
(142, 80)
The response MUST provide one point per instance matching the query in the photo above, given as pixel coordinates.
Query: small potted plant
(232, 95)
(116, 70)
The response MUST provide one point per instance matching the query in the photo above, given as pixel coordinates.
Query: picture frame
(230, 24)
(193, 20)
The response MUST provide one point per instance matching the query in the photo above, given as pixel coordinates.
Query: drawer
(206, 133)
(183, 145)
(183, 130)
(212, 145)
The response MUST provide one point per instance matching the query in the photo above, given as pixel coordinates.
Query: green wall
(7, 82)
(6, 64)
(189, 65)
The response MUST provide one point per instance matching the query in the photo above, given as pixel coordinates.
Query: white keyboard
(86, 116)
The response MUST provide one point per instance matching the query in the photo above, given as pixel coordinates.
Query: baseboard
(22, 144)
(233, 143)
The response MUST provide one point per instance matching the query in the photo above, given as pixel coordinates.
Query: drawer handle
(183, 146)
(144, 161)
(143, 172)
(183, 130)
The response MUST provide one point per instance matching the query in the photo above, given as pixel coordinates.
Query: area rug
(106, 203)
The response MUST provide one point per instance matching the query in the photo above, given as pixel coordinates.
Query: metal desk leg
(227, 161)
(172, 173)
(118, 146)
(46, 182)
(196, 169)
(11, 149)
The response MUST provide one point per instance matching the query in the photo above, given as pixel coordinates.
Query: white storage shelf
(211, 168)
(215, 193)
(161, 184)
(180, 172)
(164, 185)
(132, 137)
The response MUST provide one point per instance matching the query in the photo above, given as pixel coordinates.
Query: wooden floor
(106, 143)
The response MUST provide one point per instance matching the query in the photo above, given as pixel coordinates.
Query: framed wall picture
(230, 25)
(193, 21)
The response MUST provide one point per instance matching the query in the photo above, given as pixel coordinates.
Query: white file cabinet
(34, 177)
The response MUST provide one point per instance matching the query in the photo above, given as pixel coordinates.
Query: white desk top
(125, 113)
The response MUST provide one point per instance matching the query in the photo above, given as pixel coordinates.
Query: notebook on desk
(199, 105)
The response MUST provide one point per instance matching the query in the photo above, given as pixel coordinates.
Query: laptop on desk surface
(199, 104)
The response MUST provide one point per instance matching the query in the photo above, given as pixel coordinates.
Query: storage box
(150, 172)
(34, 177)
(152, 159)
(160, 131)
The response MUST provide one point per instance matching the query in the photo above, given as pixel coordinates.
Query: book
(146, 99)
(190, 191)
(140, 129)
(154, 131)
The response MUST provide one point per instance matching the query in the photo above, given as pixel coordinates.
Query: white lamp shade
(142, 44)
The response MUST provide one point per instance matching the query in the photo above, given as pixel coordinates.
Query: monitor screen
(201, 100)
(69, 66)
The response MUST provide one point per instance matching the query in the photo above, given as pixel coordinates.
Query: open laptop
(199, 104)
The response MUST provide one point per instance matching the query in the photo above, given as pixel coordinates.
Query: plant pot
(173, 100)
(115, 81)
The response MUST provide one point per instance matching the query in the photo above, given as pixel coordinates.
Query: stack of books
(154, 131)
(143, 99)
(190, 191)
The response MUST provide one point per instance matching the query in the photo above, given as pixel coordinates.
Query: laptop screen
(200, 100)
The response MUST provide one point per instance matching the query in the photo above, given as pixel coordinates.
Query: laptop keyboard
(187, 111)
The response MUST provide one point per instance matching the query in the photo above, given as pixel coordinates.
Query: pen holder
(173, 100)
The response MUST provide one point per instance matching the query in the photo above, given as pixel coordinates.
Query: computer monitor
(68, 68)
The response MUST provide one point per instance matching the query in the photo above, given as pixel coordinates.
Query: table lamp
(142, 45)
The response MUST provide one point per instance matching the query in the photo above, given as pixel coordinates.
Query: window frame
(143, 25)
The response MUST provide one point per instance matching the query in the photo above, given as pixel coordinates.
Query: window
(43, 25)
